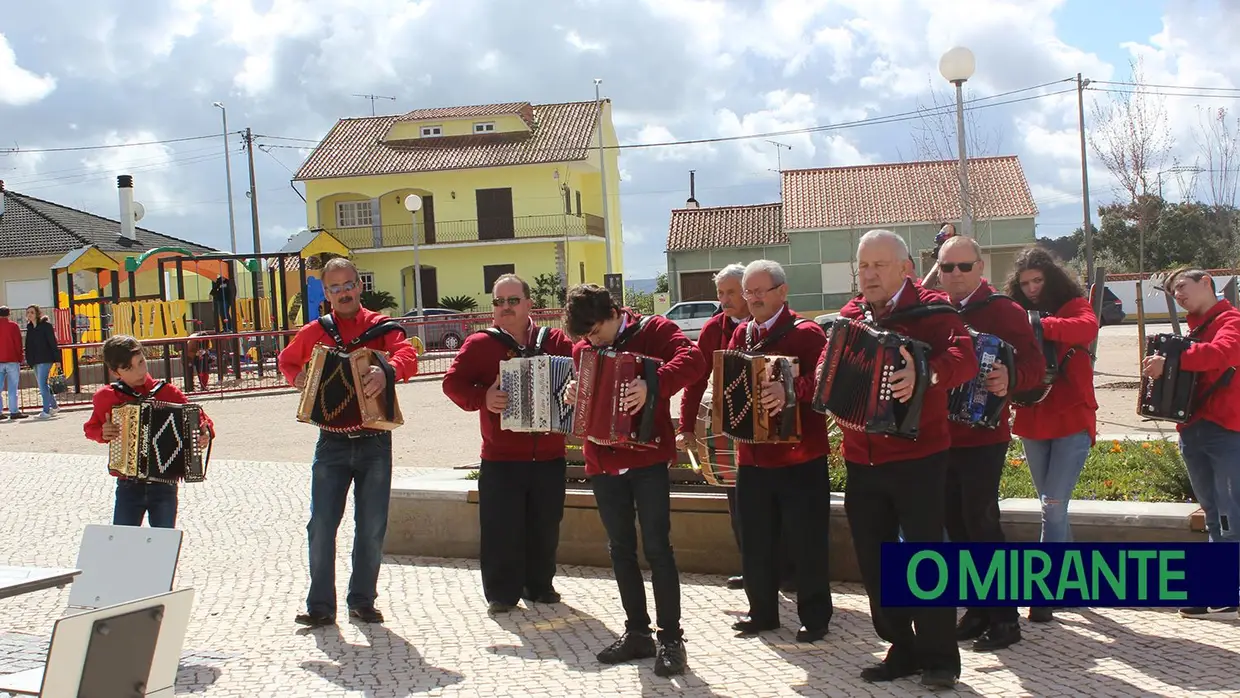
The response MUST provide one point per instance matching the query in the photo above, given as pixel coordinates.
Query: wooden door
(495, 214)
(428, 219)
(697, 286)
(430, 287)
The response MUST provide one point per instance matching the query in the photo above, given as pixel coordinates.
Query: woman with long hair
(42, 352)
(1058, 432)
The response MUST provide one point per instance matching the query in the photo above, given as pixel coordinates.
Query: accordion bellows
(971, 403)
(158, 442)
(1033, 396)
(603, 377)
(536, 387)
(333, 399)
(736, 387)
(1168, 397)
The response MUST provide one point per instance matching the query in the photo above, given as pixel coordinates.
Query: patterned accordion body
(602, 384)
(854, 382)
(333, 399)
(736, 385)
(972, 403)
(158, 442)
(536, 387)
(716, 454)
(1168, 397)
(1035, 395)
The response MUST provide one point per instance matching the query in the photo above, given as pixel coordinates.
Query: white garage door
(19, 294)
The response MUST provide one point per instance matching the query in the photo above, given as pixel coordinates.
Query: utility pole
(258, 246)
(1081, 84)
(372, 99)
(602, 171)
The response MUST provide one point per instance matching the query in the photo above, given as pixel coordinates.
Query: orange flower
(1116, 448)
(1146, 445)
(1108, 484)
(1015, 462)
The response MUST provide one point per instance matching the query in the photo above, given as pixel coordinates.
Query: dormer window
(432, 131)
(485, 127)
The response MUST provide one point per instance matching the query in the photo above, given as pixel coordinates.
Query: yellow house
(504, 187)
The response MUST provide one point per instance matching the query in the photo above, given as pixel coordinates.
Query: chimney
(124, 183)
(692, 202)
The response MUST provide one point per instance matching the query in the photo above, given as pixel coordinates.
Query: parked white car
(690, 316)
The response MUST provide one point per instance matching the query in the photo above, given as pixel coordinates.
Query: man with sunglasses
(977, 455)
(521, 481)
(362, 458)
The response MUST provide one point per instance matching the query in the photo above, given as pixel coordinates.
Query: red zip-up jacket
(1008, 321)
(296, 355)
(683, 364)
(1070, 406)
(10, 342)
(952, 359)
(108, 397)
(474, 371)
(806, 342)
(716, 334)
(1218, 351)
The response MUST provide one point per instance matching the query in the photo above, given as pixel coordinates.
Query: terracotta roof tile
(725, 226)
(355, 147)
(901, 193)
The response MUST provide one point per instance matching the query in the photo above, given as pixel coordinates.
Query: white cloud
(148, 163)
(574, 39)
(18, 86)
(655, 133)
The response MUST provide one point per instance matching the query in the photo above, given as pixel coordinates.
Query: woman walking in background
(42, 352)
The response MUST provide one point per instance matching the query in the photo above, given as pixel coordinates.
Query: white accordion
(536, 387)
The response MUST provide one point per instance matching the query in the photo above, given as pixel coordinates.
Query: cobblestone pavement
(244, 556)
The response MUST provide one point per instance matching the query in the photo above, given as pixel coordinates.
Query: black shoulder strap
(377, 330)
(328, 323)
(986, 301)
(123, 387)
(629, 332)
(510, 342)
(539, 339)
(919, 311)
(773, 336)
(1222, 382)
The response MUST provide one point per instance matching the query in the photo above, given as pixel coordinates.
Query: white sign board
(19, 294)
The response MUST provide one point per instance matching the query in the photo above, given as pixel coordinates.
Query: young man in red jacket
(782, 490)
(521, 482)
(632, 484)
(894, 484)
(1210, 441)
(362, 458)
(977, 456)
(1057, 432)
(10, 362)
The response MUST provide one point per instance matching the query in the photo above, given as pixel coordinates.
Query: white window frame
(837, 277)
(432, 131)
(484, 127)
(354, 214)
(368, 280)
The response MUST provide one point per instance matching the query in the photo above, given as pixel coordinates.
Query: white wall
(1155, 306)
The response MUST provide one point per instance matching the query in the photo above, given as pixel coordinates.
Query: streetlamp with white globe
(957, 66)
(413, 203)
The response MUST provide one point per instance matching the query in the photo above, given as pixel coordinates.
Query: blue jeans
(1212, 455)
(339, 461)
(10, 374)
(1056, 465)
(135, 498)
(41, 372)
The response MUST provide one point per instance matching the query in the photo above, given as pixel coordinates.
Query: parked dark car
(1112, 308)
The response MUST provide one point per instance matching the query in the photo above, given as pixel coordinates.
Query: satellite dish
(138, 211)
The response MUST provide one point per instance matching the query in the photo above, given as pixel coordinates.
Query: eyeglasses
(759, 294)
(949, 267)
(510, 301)
(342, 288)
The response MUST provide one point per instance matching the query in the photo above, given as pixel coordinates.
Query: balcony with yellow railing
(474, 231)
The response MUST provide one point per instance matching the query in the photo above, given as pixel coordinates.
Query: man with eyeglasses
(362, 458)
(977, 455)
(782, 490)
(521, 476)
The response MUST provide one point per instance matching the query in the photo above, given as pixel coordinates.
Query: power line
(1165, 87)
(1159, 93)
(76, 148)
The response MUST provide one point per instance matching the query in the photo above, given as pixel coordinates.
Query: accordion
(333, 399)
(972, 403)
(536, 387)
(158, 442)
(1035, 395)
(1168, 397)
(736, 387)
(603, 377)
(854, 382)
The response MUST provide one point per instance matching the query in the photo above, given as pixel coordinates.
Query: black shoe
(500, 607)
(997, 637)
(939, 678)
(749, 626)
(1207, 611)
(315, 620)
(630, 646)
(369, 614)
(737, 582)
(971, 626)
(806, 634)
(19, 415)
(3, 416)
(887, 671)
(1041, 614)
(670, 659)
(551, 596)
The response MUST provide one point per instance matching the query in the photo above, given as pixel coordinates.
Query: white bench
(123, 563)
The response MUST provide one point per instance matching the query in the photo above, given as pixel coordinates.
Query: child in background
(156, 501)
(203, 361)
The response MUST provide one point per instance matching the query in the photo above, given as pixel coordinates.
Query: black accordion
(1033, 396)
(1168, 397)
(854, 382)
(158, 441)
(737, 380)
(971, 403)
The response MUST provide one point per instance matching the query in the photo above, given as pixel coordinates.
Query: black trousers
(880, 500)
(787, 565)
(972, 507)
(641, 495)
(520, 506)
(791, 504)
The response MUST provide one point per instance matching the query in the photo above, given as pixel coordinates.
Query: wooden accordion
(536, 388)
(1035, 395)
(333, 399)
(854, 382)
(736, 388)
(971, 403)
(603, 377)
(1168, 397)
(158, 442)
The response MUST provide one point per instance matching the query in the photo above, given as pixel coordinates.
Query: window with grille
(353, 214)
(432, 131)
(368, 280)
(488, 127)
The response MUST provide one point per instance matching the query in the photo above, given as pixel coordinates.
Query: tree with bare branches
(1219, 146)
(1131, 136)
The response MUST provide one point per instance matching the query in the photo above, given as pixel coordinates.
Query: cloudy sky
(111, 72)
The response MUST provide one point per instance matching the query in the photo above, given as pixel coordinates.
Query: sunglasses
(342, 288)
(949, 267)
(510, 301)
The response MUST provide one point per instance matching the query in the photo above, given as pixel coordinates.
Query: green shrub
(461, 304)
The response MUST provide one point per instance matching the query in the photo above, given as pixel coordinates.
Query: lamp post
(232, 223)
(957, 66)
(413, 203)
(602, 169)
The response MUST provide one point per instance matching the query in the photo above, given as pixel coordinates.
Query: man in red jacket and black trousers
(362, 458)
(633, 483)
(1210, 441)
(896, 484)
(521, 482)
(782, 490)
(978, 454)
